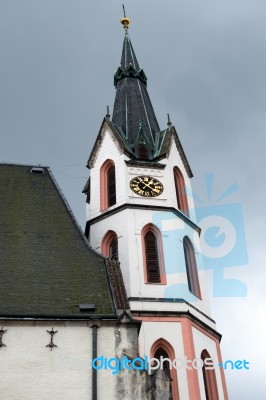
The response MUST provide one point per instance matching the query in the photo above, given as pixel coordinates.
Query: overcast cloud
(205, 61)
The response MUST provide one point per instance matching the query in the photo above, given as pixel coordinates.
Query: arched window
(143, 152)
(107, 185)
(162, 348)
(191, 266)
(153, 255)
(209, 379)
(110, 245)
(180, 188)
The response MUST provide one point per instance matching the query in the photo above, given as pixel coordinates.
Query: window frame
(191, 267)
(107, 240)
(209, 379)
(104, 184)
(160, 257)
(180, 189)
(167, 347)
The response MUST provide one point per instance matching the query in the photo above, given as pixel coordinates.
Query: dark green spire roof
(133, 114)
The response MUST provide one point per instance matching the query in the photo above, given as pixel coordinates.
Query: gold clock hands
(153, 189)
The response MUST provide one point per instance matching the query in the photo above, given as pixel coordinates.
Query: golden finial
(125, 21)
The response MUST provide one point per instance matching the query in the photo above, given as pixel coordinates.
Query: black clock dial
(146, 186)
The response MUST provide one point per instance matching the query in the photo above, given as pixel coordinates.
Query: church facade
(129, 289)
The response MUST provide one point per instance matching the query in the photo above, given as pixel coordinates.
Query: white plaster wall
(29, 370)
(204, 342)
(172, 332)
(115, 342)
(109, 149)
(173, 160)
(128, 225)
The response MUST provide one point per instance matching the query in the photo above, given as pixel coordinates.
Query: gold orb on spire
(125, 22)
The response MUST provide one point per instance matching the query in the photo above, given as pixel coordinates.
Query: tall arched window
(107, 185)
(180, 188)
(153, 255)
(209, 378)
(191, 266)
(162, 348)
(110, 245)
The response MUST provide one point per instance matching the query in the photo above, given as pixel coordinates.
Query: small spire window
(111, 186)
(143, 152)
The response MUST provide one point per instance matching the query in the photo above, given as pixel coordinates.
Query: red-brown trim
(106, 242)
(187, 325)
(209, 378)
(218, 349)
(192, 374)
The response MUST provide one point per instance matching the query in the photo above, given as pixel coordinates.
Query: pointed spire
(125, 21)
(169, 123)
(132, 102)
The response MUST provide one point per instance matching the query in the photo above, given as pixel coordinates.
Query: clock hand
(146, 184)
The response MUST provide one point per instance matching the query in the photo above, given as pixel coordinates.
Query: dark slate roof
(133, 114)
(128, 54)
(47, 267)
(117, 284)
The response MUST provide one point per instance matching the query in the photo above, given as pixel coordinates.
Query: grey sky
(205, 61)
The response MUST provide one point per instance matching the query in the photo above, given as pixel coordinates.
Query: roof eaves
(182, 153)
(159, 142)
(122, 143)
(117, 284)
(96, 144)
(119, 135)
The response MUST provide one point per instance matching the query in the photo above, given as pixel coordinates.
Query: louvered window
(113, 249)
(111, 189)
(152, 261)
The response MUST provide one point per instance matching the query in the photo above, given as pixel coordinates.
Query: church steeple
(133, 114)
(141, 212)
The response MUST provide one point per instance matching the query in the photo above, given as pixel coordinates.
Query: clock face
(146, 186)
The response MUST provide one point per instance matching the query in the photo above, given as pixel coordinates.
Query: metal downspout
(94, 355)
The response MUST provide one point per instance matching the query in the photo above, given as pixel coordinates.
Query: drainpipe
(94, 355)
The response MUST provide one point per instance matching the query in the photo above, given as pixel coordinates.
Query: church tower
(140, 211)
